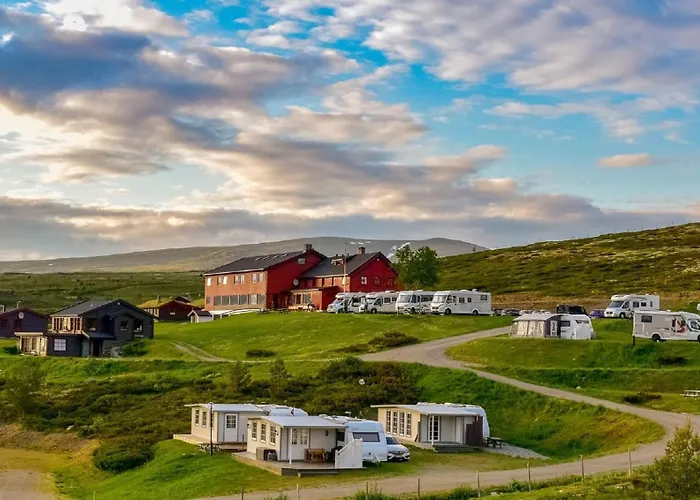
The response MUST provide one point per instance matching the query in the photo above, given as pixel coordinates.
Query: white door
(231, 428)
(434, 429)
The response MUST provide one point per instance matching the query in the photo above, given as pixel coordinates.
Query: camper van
(461, 302)
(414, 302)
(374, 445)
(666, 325)
(560, 326)
(379, 302)
(346, 303)
(624, 306)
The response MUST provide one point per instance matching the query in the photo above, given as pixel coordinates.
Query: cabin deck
(204, 443)
(284, 468)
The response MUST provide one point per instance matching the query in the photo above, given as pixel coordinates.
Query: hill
(205, 258)
(664, 261)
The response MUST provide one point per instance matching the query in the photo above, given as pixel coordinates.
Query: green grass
(7, 347)
(312, 335)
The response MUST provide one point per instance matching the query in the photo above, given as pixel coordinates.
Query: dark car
(597, 314)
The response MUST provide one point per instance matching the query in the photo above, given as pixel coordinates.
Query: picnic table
(691, 393)
(492, 442)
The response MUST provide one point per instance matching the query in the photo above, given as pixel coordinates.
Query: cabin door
(231, 428)
(96, 348)
(434, 429)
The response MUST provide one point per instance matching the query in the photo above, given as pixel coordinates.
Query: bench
(314, 455)
(493, 442)
(691, 393)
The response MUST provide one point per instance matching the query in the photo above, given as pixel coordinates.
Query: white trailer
(370, 432)
(624, 306)
(471, 302)
(666, 325)
(379, 302)
(346, 303)
(414, 302)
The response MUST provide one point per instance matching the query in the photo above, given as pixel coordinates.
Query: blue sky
(129, 125)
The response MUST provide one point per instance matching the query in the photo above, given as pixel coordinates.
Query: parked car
(523, 312)
(497, 312)
(396, 452)
(510, 312)
(597, 314)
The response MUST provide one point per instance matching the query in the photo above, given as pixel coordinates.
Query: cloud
(627, 161)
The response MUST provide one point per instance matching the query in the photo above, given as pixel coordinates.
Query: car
(396, 452)
(510, 312)
(597, 314)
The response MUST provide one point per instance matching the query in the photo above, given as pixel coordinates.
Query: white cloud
(627, 161)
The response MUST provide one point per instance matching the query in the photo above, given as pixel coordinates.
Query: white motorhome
(346, 302)
(370, 432)
(666, 325)
(624, 306)
(471, 302)
(561, 326)
(379, 302)
(414, 302)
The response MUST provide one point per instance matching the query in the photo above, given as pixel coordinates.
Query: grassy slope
(309, 336)
(663, 261)
(609, 367)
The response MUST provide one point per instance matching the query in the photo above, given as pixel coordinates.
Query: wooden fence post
(367, 490)
(529, 479)
(629, 460)
(478, 484)
(242, 491)
(298, 492)
(418, 488)
(582, 471)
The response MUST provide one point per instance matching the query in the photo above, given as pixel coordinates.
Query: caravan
(414, 302)
(666, 325)
(560, 326)
(346, 303)
(461, 302)
(370, 432)
(624, 306)
(379, 302)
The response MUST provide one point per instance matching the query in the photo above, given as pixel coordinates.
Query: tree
(278, 378)
(23, 384)
(239, 377)
(675, 475)
(417, 269)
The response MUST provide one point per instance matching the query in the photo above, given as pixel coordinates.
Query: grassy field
(649, 374)
(312, 335)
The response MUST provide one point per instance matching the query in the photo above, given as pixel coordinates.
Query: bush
(671, 360)
(11, 350)
(640, 398)
(122, 455)
(392, 339)
(134, 349)
(260, 353)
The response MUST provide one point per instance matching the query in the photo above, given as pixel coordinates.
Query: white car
(396, 452)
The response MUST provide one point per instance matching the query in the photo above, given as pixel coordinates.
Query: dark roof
(90, 305)
(99, 335)
(255, 263)
(354, 262)
(24, 310)
(199, 312)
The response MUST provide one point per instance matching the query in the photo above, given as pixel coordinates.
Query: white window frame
(196, 416)
(395, 422)
(363, 280)
(56, 347)
(409, 424)
(273, 434)
(242, 280)
(255, 277)
(388, 421)
(295, 436)
(304, 438)
(254, 431)
(402, 423)
(225, 281)
(204, 418)
(263, 432)
(208, 281)
(235, 421)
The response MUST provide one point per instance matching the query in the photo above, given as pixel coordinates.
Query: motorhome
(370, 432)
(666, 325)
(471, 302)
(561, 326)
(346, 303)
(414, 302)
(624, 306)
(379, 302)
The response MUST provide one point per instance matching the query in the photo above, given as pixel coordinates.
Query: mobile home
(624, 306)
(379, 302)
(560, 326)
(461, 302)
(666, 325)
(414, 302)
(346, 303)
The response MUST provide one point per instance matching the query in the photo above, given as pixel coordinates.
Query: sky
(132, 124)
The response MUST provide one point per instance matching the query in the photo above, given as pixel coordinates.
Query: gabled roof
(91, 305)
(434, 409)
(327, 268)
(304, 422)
(154, 304)
(257, 263)
(24, 310)
(199, 312)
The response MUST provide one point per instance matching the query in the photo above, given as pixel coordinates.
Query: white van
(346, 303)
(414, 302)
(371, 433)
(461, 302)
(624, 306)
(379, 302)
(666, 325)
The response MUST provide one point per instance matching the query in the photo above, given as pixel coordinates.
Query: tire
(448, 312)
(413, 310)
(656, 338)
(623, 316)
(475, 312)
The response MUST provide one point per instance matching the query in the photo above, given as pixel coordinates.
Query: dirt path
(22, 485)
(198, 353)
(433, 354)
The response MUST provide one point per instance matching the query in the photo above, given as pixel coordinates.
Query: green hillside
(664, 261)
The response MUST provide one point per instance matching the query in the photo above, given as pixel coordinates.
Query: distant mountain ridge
(205, 258)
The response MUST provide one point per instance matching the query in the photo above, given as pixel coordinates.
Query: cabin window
(301, 261)
(204, 419)
(646, 319)
(295, 436)
(402, 423)
(304, 437)
(208, 281)
(394, 422)
(254, 431)
(388, 421)
(196, 417)
(273, 434)
(231, 421)
(409, 430)
(469, 299)
(426, 298)
(367, 437)
(255, 277)
(59, 345)
(363, 280)
(263, 432)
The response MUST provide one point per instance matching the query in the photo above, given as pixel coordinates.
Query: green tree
(23, 384)
(675, 475)
(239, 377)
(279, 377)
(419, 268)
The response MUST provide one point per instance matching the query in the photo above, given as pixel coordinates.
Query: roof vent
(308, 247)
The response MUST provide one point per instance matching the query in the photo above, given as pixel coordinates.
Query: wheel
(448, 312)
(698, 338)
(656, 338)
(623, 316)
(413, 310)
(475, 312)
(373, 311)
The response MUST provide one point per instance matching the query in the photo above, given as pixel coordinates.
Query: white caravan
(346, 302)
(379, 302)
(371, 433)
(414, 302)
(562, 326)
(471, 302)
(624, 306)
(666, 325)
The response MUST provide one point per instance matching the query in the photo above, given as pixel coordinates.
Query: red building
(177, 309)
(295, 280)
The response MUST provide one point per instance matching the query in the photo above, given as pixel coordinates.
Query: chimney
(308, 247)
(361, 250)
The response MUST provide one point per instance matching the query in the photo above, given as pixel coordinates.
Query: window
(124, 325)
(363, 280)
(377, 280)
(434, 428)
(260, 277)
(253, 299)
(243, 300)
(208, 281)
(644, 304)
(255, 277)
(204, 419)
(208, 300)
(461, 300)
(409, 430)
(367, 437)
(263, 432)
(17, 325)
(388, 421)
(635, 304)
(402, 423)
(390, 282)
(565, 324)
(59, 345)
(304, 438)
(484, 298)
(3, 323)
(235, 278)
(469, 299)
(261, 299)
(295, 436)
(242, 278)
(273, 434)
(301, 261)
(646, 319)
(254, 431)
(218, 280)
(196, 416)
(231, 421)
(395, 422)
(387, 300)
(426, 298)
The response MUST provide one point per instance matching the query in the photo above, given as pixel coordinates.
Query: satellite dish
(296, 282)
(20, 315)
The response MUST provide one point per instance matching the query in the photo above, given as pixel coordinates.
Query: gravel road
(22, 485)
